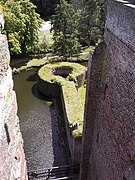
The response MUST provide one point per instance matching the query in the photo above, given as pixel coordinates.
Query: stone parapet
(12, 157)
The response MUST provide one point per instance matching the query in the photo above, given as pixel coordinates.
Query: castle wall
(109, 128)
(12, 158)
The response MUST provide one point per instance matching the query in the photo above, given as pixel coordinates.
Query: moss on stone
(73, 105)
(74, 108)
(46, 72)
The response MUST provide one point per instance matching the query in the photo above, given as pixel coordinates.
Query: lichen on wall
(12, 158)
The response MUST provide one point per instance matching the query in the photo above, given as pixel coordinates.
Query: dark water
(45, 146)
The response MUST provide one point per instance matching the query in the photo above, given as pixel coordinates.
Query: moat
(44, 138)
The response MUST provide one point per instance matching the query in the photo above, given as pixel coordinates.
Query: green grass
(88, 49)
(73, 102)
(30, 64)
(45, 73)
(51, 58)
(74, 108)
(82, 94)
(36, 63)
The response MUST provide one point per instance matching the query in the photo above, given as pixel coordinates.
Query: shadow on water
(39, 95)
(33, 77)
(45, 143)
(60, 145)
(59, 139)
(59, 142)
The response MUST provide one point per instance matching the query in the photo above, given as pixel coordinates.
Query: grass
(45, 73)
(74, 108)
(82, 93)
(29, 65)
(88, 49)
(36, 63)
(73, 102)
(52, 58)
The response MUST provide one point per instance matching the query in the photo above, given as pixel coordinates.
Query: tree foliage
(64, 25)
(45, 7)
(21, 25)
(92, 21)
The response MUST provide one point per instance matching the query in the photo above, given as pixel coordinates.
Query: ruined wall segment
(111, 141)
(12, 158)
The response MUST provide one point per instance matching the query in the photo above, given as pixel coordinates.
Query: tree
(64, 25)
(21, 25)
(45, 7)
(92, 21)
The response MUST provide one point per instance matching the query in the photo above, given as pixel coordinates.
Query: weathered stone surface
(109, 130)
(12, 158)
(4, 55)
(94, 76)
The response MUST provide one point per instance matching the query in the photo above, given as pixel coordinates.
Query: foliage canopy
(21, 25)
(92, 22)
(64, 26)
(45, 7)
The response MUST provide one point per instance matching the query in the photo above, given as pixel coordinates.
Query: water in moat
(45, 143)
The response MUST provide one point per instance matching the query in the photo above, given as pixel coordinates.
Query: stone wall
(93, 94)
(12, 158)
(109, 128)
(74, 143)
(49, 89)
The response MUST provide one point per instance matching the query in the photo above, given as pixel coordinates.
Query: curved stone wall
(51, 77)
(49, 89)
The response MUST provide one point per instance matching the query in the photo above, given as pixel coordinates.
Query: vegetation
(21, 25)
(72, 20)
(82, 94)
(50, 58)
(45, 42)
(91, 26)
(74, 106)
(45, 8)
(45, 73)
(64, 25)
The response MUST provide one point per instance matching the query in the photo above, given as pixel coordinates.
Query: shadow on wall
(34, 78)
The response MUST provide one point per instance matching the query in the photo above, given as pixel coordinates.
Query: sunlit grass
(87, 49)
(74, 108)
(36, 63)
(74, 101)
(82, 94)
